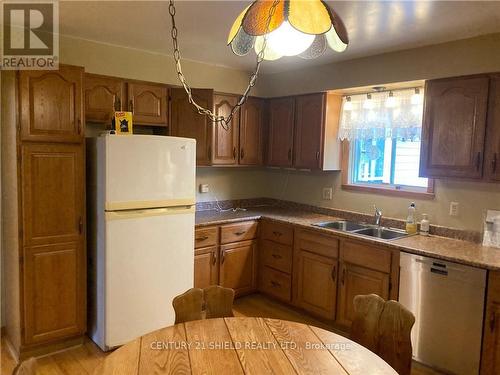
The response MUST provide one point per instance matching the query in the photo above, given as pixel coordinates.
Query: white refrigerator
(141, 205)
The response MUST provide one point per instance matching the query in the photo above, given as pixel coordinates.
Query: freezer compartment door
(149, 261)
(149, 171)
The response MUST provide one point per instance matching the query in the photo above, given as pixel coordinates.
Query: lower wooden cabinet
(54, 289)
(238, 263)
(490, 358)
(355, 280)
(317, 284)
(206, 271)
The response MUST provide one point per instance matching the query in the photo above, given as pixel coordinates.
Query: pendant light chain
(223, 121)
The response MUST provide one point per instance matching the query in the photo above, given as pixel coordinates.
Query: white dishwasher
(447, 300)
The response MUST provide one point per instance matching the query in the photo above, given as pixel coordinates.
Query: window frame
(392, 190)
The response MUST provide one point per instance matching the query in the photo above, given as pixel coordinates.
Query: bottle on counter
(411, 223)
(424, 225)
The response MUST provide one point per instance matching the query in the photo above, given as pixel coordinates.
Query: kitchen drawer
(276, 283)
(281, 233)
(204, 237)
(317, 243)
(238, 232)
(368, 256)
(276, 256)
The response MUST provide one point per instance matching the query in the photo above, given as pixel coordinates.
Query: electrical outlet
(454, 208)
(204, 188)
(327, 193)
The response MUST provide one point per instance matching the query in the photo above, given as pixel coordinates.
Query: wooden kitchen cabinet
(103, 96)
(454, 124)
(185, 121)
(356, 280)
(51, 107)
(492, 146)
(225, 141)
(148, 103)
(317, 284)
(281, 128)
(251, 132)
(206, 270)
(54, 285)
(315, 273)
(53, 197)
(490, 357)
(308, 140)
(238, 263)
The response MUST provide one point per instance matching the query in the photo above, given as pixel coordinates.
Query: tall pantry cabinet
(43, 209)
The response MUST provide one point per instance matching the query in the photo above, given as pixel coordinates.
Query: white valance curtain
(382, 115)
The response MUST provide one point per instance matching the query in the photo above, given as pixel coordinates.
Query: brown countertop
(459, 251)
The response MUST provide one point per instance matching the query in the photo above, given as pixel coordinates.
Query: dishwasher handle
(439, 271)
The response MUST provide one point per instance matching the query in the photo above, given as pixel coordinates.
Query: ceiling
(374, 27)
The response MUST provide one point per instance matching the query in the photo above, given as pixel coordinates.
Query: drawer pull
(274, 284)
(277, 234)
(202, 238)
(240, 233)
(276, 256)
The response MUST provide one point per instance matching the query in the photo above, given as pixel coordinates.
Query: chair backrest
(27, 367)
(195, 304)
(188, 306)
(384, 327)
(218, 302)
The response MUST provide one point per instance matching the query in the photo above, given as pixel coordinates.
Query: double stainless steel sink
(363, 229)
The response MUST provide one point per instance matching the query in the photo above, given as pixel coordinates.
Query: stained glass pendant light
(297, 27)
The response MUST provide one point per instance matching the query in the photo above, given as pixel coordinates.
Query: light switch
(327, 193)
(454, 208)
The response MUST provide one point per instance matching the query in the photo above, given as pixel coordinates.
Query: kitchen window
(381, 134)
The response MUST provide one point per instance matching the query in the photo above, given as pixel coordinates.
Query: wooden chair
(27, 367)
(195, 304)
(384, 327)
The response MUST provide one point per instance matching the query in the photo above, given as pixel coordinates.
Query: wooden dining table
(243, 346)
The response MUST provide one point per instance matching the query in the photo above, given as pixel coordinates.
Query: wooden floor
(83, 359)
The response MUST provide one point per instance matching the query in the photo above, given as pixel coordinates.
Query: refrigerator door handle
(129, 214)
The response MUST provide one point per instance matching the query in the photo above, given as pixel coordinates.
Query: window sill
(390, 191)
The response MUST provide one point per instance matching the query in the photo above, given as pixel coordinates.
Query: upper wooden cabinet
(281, 125)
(148, 103)
(303, 132)
(185, 121)
(51, 105)
(225, 141)
(492, 147)
(251, 132)
(103, 96)
(454, 127)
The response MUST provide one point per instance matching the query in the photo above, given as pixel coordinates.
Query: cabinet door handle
(276, 256)
(80, 225)
(494, 163)
(289, 154)
(118, 103)
(240, 233)
(222, 256)
(478, 160)
(209, 153)
(277, 234)
(214, 257)
(317, 155)
(234, 153)
(343, 276)
(242, 154)
(492, 322)
(334, 272)
(274, 284)
(202, 238)
(131, 106)
(79, 125)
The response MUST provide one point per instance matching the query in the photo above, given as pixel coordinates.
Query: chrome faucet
(378, 215)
